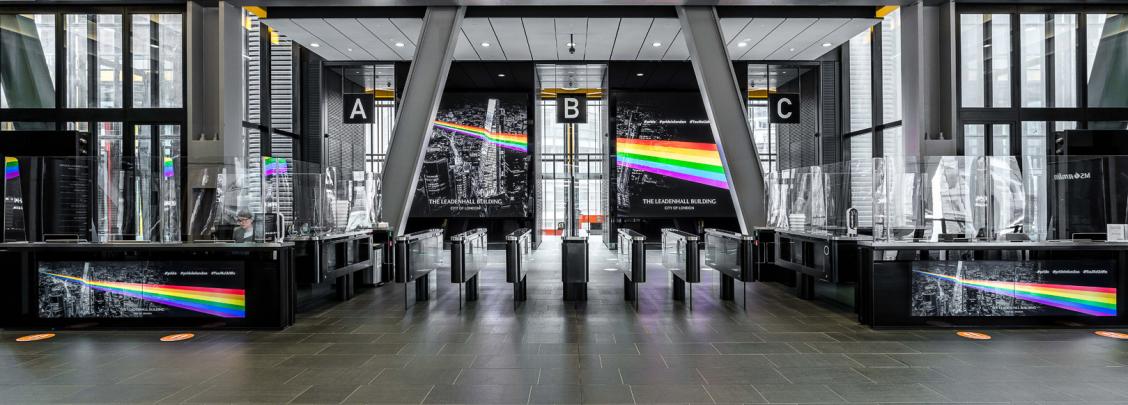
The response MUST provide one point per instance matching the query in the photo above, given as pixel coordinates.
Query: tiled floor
(369, 350)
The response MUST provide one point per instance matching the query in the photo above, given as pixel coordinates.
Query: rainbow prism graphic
(274, 166)
(221, 302)
(1093, 301)
(168, 168)
(698, 162)
(11, 168)
(517, 142)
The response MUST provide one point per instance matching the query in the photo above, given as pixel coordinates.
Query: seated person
(245, 232)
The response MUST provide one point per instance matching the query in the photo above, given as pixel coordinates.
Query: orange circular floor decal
(35, 337)
(974, 335)
(1110, 334)
(177, 337)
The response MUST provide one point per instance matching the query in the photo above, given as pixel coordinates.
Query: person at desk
(246, 231)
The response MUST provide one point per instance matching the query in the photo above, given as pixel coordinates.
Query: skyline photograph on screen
(477, 162)
(667, 163)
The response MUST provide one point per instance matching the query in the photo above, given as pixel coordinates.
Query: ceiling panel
(368, 41)
(481, 36)
(837, 37)
(752, 34)
(779, 36)
(463, 50)
(511, 36)
(632, 31)
(545, 39)
(678, 49)
(541, 33)
(603, 32)
(807, 38)
(661, 33)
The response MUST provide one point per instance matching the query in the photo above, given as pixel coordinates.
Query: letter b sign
(359, 108)
(571, 108)
(783, 108)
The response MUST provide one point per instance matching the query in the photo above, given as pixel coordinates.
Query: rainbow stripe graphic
(221, 302)
(517, 142)
(698, 162)
(1094, 301)
(11, 168)
(169, 169)
(272, 166)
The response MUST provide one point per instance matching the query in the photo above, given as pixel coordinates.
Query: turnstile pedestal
(574, 268)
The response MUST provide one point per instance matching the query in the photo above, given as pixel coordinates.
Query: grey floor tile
(887, 393)
(823, 375)
(479, 394)
(797, 393)
(670, 394)
(754, 348)
(262, 394)
(737, 394)
(389, 394)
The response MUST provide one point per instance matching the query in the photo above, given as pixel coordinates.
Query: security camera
(572, 49)
(572, 44)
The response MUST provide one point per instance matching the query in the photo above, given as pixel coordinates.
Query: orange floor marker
(35, 337)
(178, 337)
(974, 335)
(1111, 334)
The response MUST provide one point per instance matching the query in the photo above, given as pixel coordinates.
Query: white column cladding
(421, 95)
(728, 116)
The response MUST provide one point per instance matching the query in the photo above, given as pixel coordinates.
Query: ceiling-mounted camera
(571, 44)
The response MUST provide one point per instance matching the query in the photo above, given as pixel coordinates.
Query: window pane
(27, 76)
(1108, 66)
(1034, 138)
(1049, 59)
(1000, 140)
(860, 149)
(282, 82)
(974, 140)
(971, 54)
(1000, 61)
(860, 82)
(252, 88)
(891, 67)
(859, 146)
(892, 143)
(158, 68)
(94, 60)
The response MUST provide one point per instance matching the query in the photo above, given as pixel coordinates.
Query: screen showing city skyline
(477, 162)
(667, 163)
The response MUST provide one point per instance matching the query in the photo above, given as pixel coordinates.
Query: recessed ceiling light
(656, 44)
(349, 49)
(485, 44)
(570, 44)
(791, 50)
(501, 75)
(399, 44)
(314, 44)
(639, 74)
(826, 44)
(742, 44)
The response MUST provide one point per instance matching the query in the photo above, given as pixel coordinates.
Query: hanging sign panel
(571, 108)
(359, 108)
(783, 108)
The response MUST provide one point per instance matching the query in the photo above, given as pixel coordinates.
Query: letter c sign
(783, 108)
(571, 108)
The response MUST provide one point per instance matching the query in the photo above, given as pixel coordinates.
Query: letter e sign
(359, 108)
(571, 108)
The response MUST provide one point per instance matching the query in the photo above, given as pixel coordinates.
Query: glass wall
(872, 79)
(117, 75)
(1068, 64)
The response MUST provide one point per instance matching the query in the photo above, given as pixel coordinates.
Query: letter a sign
(783, 108)
(571, 108)
(359, 108)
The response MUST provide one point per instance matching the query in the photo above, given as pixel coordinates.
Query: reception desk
(906, 284)
(235, 285)
(817, 257)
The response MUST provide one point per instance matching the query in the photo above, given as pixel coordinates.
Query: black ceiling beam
(573, 12)
(796, 11)
(345, 12)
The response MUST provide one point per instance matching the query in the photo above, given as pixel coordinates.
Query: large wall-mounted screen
(139, 289)
(667, 161)
(1009, 288)
(477, 162)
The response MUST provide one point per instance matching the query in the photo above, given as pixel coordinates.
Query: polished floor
(370, 350)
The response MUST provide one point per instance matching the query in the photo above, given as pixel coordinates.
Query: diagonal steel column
(728, 115)
(425, 81)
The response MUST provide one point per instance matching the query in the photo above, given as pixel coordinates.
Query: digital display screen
(477, 162)
(139, 289)
(1014, 288)
(667, 163)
